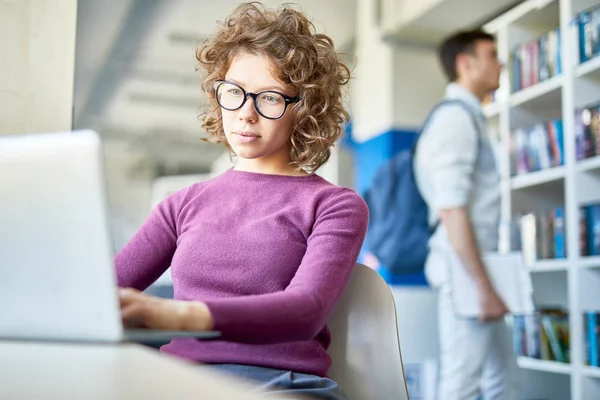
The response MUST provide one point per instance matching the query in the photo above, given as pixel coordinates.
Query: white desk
(52, 371)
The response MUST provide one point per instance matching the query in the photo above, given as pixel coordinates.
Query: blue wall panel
(368, 157)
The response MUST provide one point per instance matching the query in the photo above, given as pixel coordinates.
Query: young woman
(264, 251)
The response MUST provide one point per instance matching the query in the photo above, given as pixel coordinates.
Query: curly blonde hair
(304, 59)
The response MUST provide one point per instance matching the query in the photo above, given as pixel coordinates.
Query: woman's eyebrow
(272, 87)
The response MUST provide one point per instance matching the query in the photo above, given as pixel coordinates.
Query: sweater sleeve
(301, 311)
(149, 252)
(446, 155)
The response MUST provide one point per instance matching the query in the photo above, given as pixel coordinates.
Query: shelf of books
(549, 124)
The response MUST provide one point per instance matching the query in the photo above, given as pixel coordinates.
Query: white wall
(418, 84)
(372, 89)
(400, 12)
(395, 86)
(129, 176)
(37, 49)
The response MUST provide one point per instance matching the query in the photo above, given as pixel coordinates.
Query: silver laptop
(57, 278)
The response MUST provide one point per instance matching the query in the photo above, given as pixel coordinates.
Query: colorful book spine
(536, 60)
(583, 247)
(552, 53)
(586, 47)
(516, 69)
(595, 131)
(545, 352)
(558, 127)
(532, 336)
(515, 233)
(529, 238)
(593, 229)
(595, 22)
(558, 220)
(518, 334)
(588, 145)
(588, 24)
(592, 329)
(553, 145)
(539, 235)
(579, 137)
(546, 236)
(534, 51)
(544, 60)
(544, 335)
(555, 345)
(523, 165)
(537, 148)
(539, 141)
(525, 66)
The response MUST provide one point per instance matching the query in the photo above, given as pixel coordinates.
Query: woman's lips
(246, 137)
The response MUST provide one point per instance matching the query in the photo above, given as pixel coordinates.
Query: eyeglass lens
(231, 97)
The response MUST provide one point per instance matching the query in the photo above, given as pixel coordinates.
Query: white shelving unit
(545, 366)
(590, 164)
(549, 266)
(574, 282)
(537, 178)
(592, 372)
(588, 69)
(535, 94)
(590, 262)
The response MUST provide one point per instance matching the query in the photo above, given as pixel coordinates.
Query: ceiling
(135, 79)
(435, 21)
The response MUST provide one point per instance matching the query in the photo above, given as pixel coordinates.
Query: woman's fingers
(127, 296)
(133, 315)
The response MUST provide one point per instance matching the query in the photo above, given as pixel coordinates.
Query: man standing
(455, 170)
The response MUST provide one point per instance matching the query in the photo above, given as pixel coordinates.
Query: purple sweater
(270, 255)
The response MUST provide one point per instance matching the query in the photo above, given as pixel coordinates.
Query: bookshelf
(521, 103)
(590, 262)
(537, 178)
(589, 69)
(593, 372)
(539, 95)
(548, 265)
(544, 366)
(590, 164)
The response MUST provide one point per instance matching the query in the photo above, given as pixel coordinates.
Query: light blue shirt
(454, 168)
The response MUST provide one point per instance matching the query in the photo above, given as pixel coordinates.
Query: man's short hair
(461, 42)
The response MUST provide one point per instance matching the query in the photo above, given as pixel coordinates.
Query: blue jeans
(286, 382)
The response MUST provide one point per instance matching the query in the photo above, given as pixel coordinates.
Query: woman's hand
(139, 310)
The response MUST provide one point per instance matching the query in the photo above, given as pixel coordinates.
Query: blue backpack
(399, 230)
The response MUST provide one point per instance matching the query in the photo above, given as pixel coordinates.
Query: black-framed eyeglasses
(268, 103)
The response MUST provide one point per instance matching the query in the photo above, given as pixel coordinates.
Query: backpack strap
(469, 111)
(446, 102)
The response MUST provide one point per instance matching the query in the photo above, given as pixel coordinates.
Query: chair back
(365, 348)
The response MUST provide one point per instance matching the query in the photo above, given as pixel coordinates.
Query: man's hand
(492, 306)
(139, 310)
(462, 240)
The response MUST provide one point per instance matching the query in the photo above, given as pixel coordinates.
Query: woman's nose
(248, 110)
